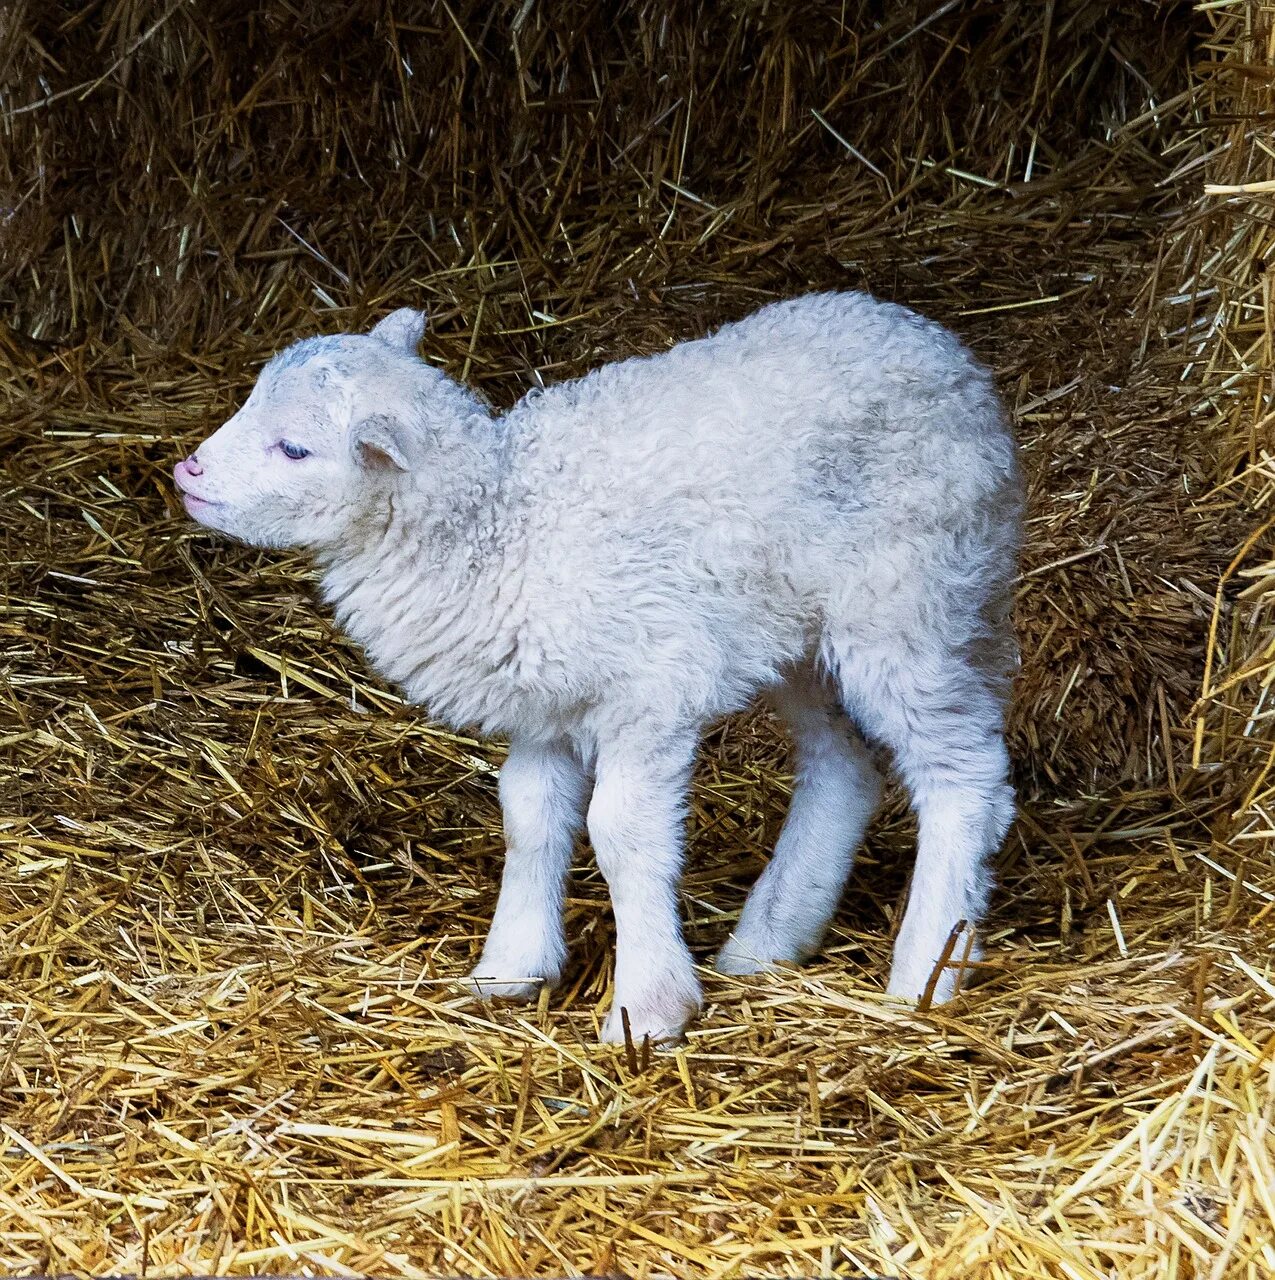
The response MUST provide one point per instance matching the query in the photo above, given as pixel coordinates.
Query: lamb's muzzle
(820, 504)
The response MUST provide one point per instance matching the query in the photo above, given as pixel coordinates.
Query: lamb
(820, 504)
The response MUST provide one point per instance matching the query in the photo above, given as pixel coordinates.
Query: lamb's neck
(426, 590)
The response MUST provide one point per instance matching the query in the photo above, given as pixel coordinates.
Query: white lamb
(820, 503)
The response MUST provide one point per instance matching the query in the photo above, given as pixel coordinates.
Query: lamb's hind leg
(542, 791)
(942, 716)
(835, 790)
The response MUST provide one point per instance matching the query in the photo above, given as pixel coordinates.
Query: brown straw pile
(238, 876)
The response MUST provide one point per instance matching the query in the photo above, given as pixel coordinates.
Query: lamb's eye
(294, 451)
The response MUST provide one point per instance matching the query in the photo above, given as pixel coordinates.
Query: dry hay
(237, 875)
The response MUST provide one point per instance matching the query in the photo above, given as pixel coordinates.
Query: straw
(239, 877)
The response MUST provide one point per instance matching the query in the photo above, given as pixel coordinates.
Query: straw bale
(238, 875)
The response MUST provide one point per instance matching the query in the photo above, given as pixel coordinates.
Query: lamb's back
(835, 399)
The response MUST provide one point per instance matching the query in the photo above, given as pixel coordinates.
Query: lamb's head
(327, 434)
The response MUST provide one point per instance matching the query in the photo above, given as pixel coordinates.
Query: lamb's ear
(402, 329)
(379, 442)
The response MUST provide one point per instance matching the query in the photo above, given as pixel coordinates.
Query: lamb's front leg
(636, 826)
(542, 790)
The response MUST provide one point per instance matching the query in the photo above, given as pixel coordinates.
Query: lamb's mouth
(193, 502)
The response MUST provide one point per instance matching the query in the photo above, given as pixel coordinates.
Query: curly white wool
(820, 503)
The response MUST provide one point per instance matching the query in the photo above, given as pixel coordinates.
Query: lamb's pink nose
(191, 466)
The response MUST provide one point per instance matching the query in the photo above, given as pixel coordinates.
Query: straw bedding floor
(238, 876)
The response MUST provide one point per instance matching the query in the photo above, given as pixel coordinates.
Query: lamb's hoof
(910, 983)
(739, 958)
(661, 1018)
(659, 1031)
(492, 987)
(910, 993)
